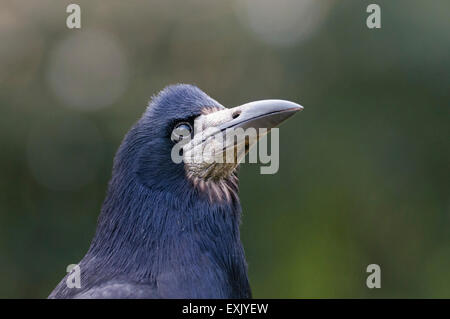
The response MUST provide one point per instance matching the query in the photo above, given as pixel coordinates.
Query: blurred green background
(364, 169)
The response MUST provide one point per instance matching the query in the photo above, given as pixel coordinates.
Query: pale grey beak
(261, 114)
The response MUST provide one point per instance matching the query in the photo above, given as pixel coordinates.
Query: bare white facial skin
(214, 154)
(208, 154)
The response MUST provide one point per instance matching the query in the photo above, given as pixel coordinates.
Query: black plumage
(161, 234)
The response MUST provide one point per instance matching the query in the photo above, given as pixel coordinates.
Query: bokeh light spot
(282, 22)
(88, 70)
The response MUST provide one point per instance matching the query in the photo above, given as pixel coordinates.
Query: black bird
(169, 229)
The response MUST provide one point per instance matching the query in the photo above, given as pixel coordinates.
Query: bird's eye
(181, 131)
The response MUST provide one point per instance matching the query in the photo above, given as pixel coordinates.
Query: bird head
(185, 136)
(176, 222)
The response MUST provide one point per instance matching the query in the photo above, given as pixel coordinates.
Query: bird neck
(145, 233)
